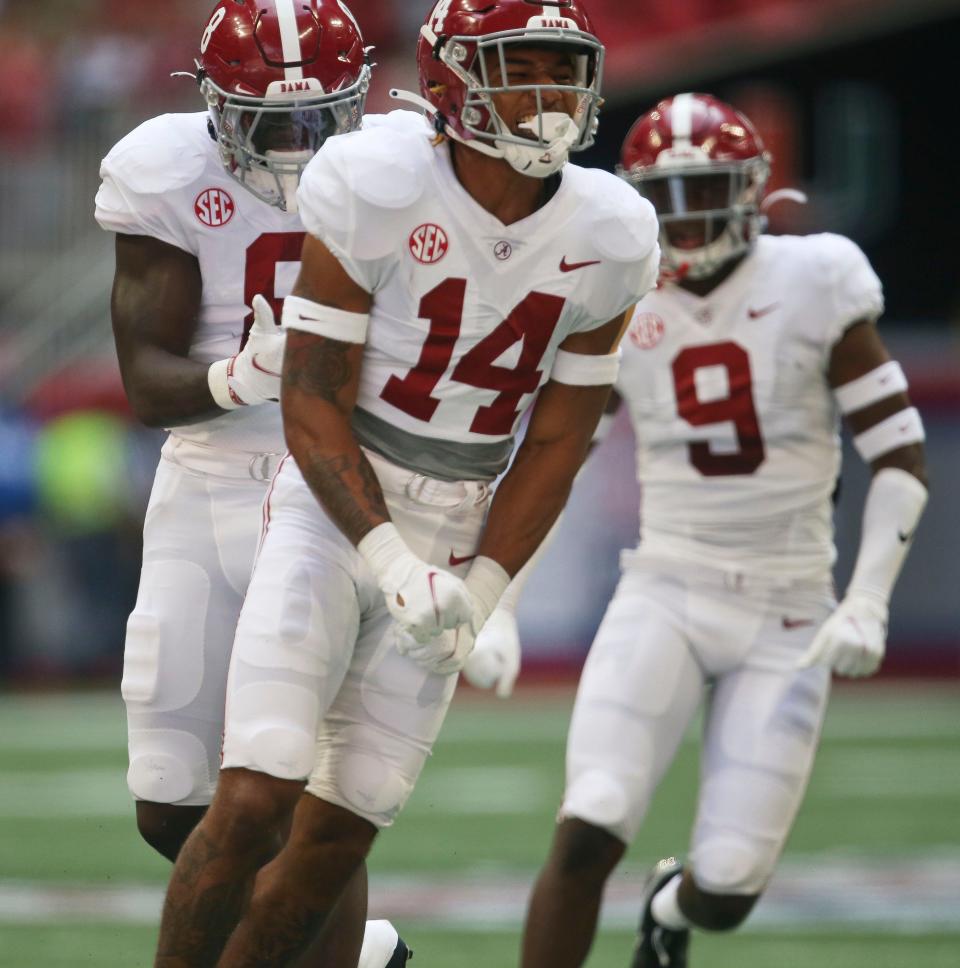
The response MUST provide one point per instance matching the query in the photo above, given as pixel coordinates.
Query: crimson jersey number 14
(532, 321)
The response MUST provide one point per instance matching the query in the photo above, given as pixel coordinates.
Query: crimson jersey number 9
(533, 321)
(737, 408)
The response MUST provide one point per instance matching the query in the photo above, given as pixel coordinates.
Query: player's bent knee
(584, 854)
(600, 799)
(165, 827)
(371, 775)
(374, 788)
(732, 866)
(272, 729)
(169, 766)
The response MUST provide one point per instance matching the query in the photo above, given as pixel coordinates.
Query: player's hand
(853, 639)
(253, 375)
(424, 600)
(495, 659)
(443, 654)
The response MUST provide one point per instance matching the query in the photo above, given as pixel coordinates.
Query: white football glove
(853, 639)
(495, 659)
(444, 653)
(253, 375)
(423, 599)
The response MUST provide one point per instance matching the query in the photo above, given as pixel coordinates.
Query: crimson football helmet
(279, 78)
(704, 168)
(462, 57)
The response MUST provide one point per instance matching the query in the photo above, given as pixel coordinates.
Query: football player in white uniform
(208, 243)
(735, 372)
(455, 274)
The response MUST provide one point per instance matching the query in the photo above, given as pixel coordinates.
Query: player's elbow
(146, 406)
(911, 459)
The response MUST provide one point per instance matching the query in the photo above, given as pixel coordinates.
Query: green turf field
(871, 877)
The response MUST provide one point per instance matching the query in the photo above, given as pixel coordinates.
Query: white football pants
(674, 634)
(317, 690)
(199, 541)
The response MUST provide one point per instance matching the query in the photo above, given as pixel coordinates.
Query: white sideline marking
(816, 892)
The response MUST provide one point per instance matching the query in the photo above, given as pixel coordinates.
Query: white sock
(379, 943)
(665, 907)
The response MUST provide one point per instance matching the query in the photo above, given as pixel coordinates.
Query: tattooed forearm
(318, 367)
(349, 490)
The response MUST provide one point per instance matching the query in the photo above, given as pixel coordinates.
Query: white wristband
(381, 547)
(585, 370)
(487, 580)
(218, 379)
(895, 501)
(902, 428)
(878, 384)
(311, 317)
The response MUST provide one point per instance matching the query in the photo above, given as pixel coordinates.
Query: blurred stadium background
(858, 101)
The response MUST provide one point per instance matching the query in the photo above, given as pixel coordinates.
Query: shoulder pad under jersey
(620, 224)
(355, 193)
(162, 155)
(386, 163)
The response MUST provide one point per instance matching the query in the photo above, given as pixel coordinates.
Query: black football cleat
(657, 946)
(401, 955)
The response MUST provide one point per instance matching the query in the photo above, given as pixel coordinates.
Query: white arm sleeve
(892, 511)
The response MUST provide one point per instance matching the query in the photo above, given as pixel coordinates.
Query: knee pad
(601, 799)
(730, 864)
(375, 786)
(272, 728)
(169, 766)
(368, 773)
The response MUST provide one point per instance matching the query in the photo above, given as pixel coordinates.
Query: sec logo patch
(428, 243)
(646, 330)
(214, 207)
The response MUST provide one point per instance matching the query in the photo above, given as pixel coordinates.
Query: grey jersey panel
(445, 460)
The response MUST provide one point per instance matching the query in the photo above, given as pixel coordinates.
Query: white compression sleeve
(895, 501)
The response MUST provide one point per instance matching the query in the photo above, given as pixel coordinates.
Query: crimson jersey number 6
(737, 408)
(532, 321)
(263, 255)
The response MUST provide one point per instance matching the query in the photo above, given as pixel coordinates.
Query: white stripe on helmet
(289, 38)
(681, 120)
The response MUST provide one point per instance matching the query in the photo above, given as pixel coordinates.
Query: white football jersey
(467, 312)
(166, 180)
(737, 429)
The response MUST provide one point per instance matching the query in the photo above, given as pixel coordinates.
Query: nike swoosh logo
(573, 266)
(795, 623)
(454, 560)
(757, 313)
(263, 369)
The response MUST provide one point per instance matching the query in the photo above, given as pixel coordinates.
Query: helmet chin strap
(560, 132)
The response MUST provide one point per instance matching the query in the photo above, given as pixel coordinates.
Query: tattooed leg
(295, 893)
(213, 877)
